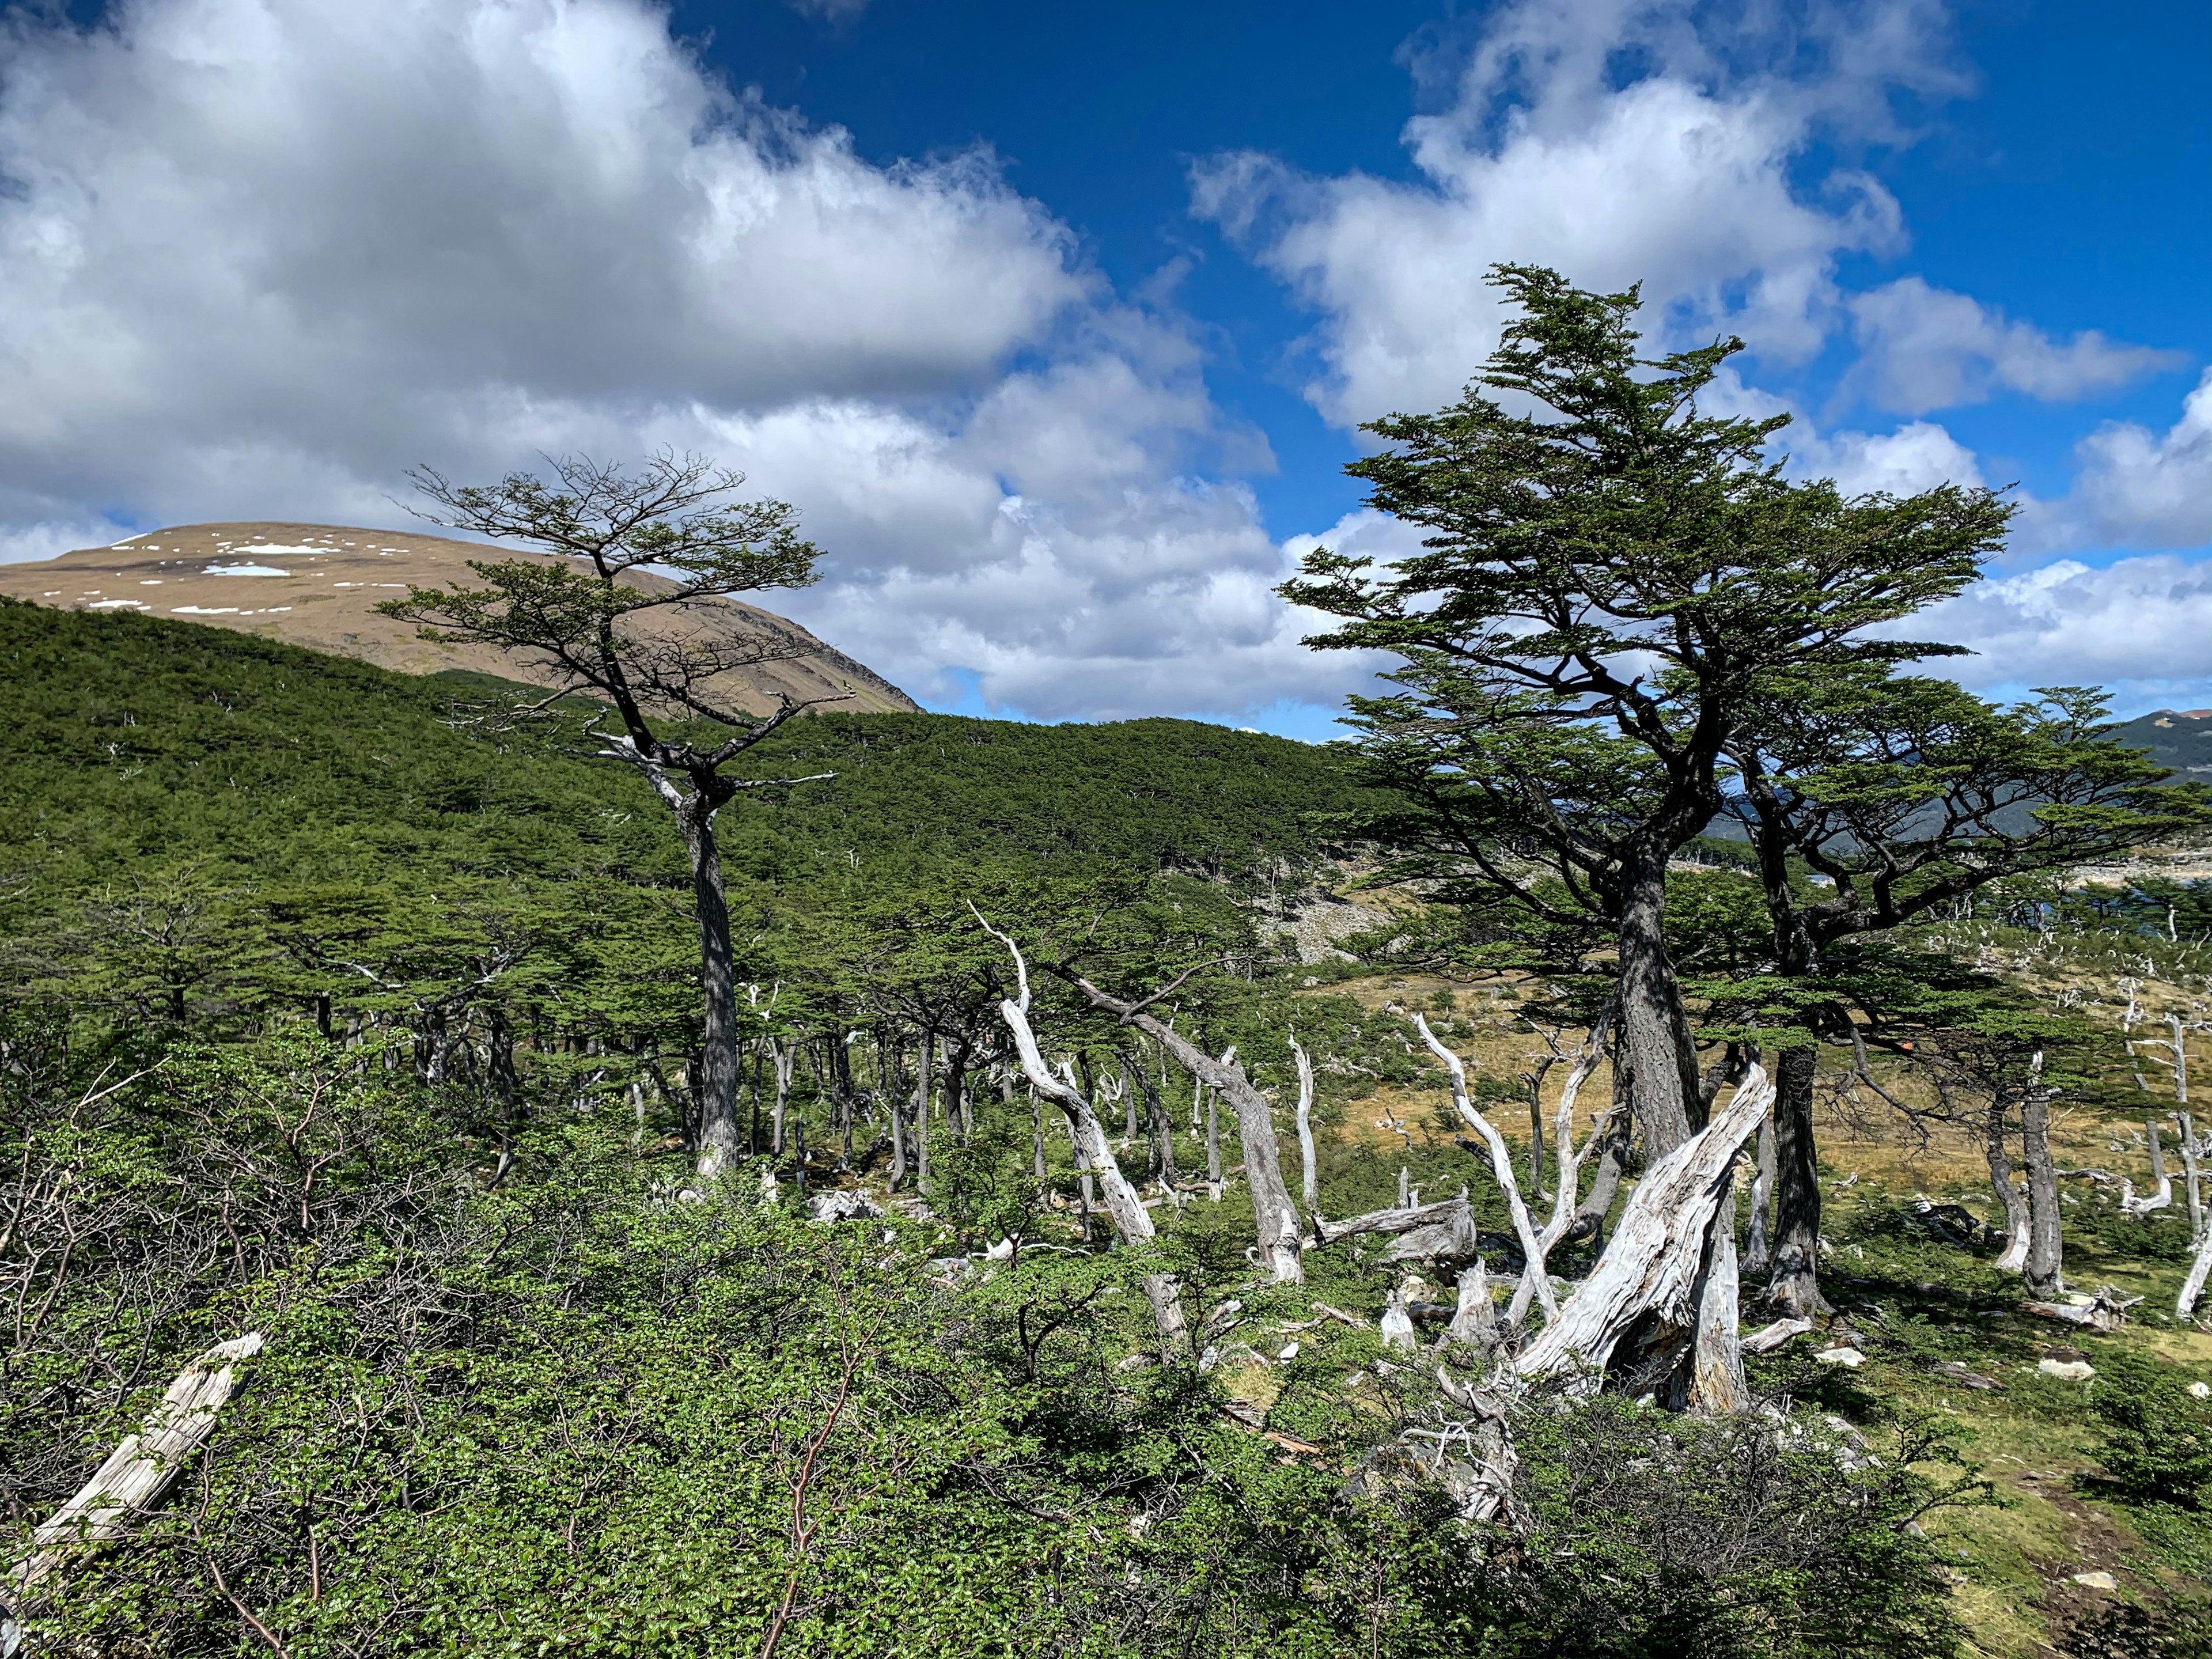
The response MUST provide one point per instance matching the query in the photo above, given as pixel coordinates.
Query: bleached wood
(2161, 1196)
(1275, 1216)
(1474, 1322)
(1309, 1185)
(1657, 1261)
(1717, 1387)
(140, 1469)
(1501, 1167)
(2185, 1305)
(1131, 1219)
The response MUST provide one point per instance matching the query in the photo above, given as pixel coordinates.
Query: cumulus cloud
(2141, 488)
(1918, 456)
(258, 257)
(1926, 348)
(1680, 172)
(2137, 626)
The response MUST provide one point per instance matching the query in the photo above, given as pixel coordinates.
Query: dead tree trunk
(1213, 1182)
(1273, 1214)
(2161, 1196)
(2189, 1174)
(1131, 1219)
(2192, 1285)
(1670, 1269)
(1532, 1273)
(1566, 1214)
(1475, 1321)
(1309, 1177)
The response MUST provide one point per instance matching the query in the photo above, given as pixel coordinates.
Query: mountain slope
(140, 745)
(2181, 738)
(319, 586)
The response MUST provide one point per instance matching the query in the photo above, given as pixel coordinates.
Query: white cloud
(258, 257)
(1918, 456)
(2140, 489)
(1926, 348)
(1681, 176)
(2137, 626)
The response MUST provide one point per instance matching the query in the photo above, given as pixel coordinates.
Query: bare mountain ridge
(318, 586)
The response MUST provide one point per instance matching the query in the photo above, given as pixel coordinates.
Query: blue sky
(1058, 322)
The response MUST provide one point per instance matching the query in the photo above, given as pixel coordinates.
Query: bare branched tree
(618, 606)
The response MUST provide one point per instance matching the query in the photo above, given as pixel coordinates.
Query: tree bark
(721, 1142)
(2045, 1269)
(1612, 1149)
(1653, 1055)
(1794, 1284)
(2010, 1203)
(1310, 1176)
(1758, 1238)
(785, 1055)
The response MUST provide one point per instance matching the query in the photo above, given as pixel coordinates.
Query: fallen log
(2107, 1310)
(1768, 1338)
(141, 1468)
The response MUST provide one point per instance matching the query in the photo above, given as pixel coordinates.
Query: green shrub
(2159, 1436)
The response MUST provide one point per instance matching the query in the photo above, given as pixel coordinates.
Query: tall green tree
(1610, 574)
(1902, 795)
(618, 604)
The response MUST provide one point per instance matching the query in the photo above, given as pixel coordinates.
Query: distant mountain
(318, 585)
(2181, 738)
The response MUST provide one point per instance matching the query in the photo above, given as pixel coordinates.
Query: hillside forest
(1672, 1138)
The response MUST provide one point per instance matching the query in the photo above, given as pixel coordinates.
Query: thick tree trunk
(2045, 1264)
(1653, 1058)
(2010, 1201)
(720, 1141)
(1794, 1285)
(1759, 1237)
